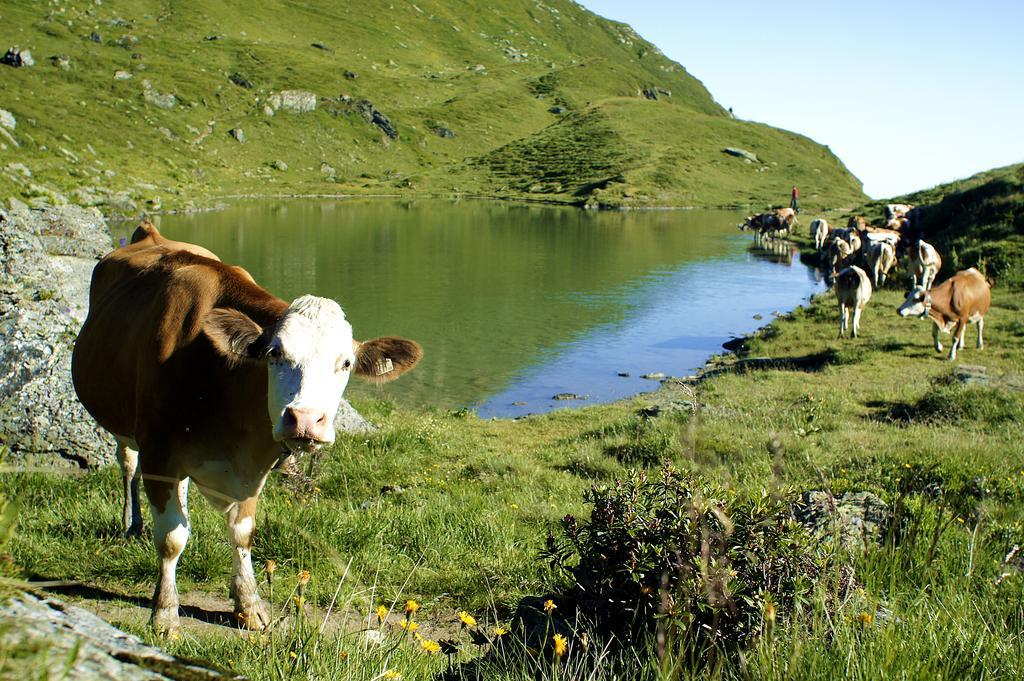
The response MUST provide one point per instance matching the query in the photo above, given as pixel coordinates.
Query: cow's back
(970, 294)
(147, 304)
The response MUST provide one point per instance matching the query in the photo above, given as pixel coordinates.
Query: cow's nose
(306, 424)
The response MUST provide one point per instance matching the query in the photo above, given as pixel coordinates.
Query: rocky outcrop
(741, 153)
(855, 518)
(17, 57)
(372, 115)
(56, 640)
(46, 259)
(293, 101)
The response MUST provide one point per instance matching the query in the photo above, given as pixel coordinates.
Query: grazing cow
(200, 374)
(770, 224)
(819, 232)
(881, 259)
(896, 210)
(853, 290)
(925, 263)
(963, 298)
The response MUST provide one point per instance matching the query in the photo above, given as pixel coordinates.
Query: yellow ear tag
(384, 366)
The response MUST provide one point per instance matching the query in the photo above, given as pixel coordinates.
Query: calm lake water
(513, 304)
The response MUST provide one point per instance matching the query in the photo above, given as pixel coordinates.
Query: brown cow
(202, 375)
(963, 298)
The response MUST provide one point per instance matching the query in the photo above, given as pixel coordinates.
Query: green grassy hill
(517, 99)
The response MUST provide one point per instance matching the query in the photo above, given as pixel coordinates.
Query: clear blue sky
(908, 94)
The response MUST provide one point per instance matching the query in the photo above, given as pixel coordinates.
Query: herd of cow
(859, 257)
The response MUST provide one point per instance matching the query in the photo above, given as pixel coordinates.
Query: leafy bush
(677, 554)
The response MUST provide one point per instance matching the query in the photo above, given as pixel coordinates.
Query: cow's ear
(234, 334)
(385, 359)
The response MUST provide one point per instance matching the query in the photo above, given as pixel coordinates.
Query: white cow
(853, 290)
(925, 263)
(819, 232)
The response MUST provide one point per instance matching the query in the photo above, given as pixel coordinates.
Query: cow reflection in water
(778, 251)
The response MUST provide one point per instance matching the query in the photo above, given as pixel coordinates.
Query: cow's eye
(274, 353)
(344, 365)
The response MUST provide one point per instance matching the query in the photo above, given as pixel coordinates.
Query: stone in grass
(279, 165)
(569, 396)
(855, 518)
(653, 376)
(238, 134)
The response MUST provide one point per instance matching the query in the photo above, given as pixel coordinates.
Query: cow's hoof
(133, 532)
(256, 617)
(166, 623)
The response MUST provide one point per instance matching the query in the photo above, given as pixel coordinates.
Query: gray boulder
(293, 101)
(17, 58)
(238, 134)
(57, 640)
(741, 153)
(46, 259)
(7, 120)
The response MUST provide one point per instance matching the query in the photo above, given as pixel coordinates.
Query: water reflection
(512, 303)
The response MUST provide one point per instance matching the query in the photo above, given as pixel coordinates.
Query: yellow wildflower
(382, 612)
(549, 606)
(467, 619)
(292, 654)
(303, 577)
(500, 631)
(344, 655)
(514, 507)
(299, 601)
(865, 618)
(270, 567)
(391, 674)
(561, 644)
(411, 607)
(432, 647)
(409, 625)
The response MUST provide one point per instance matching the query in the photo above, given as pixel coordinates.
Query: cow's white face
(916, 304)
(310, 357)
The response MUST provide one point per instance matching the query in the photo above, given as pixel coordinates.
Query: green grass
(80, 129)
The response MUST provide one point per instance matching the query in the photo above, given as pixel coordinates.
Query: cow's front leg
(856, 321)
(981, 327)
(169, 503)
(958, 339)
(844, 315)
(935, 337)
(250, 609)
(132, 512)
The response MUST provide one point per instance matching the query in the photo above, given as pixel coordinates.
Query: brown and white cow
(819, 232)
(881, 260)
(962, 299)
(202, 375)
(925, 263)
(853, 291)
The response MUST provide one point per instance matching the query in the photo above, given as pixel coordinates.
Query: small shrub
(676, 554)
(955, 403)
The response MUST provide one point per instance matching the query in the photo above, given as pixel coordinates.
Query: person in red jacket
(793, 200)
